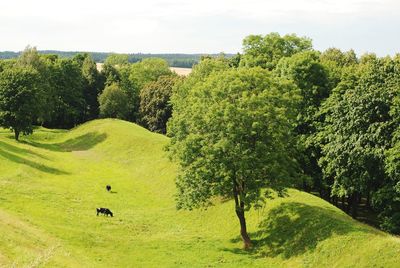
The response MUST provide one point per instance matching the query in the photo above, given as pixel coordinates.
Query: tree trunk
(243, 228)
(328, 197)
(354, 205)
(239, 208)
(343, 203)
(349, 203)
(368, 200)
(335, 200)
(16, 134)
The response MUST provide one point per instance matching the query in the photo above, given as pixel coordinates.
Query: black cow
(104, 211)
(108, 187)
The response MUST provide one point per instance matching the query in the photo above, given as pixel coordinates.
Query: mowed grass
(52, 182)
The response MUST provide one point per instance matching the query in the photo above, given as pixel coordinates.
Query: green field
(52, 182)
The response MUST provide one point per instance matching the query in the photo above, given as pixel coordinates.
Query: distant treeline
(174, 60)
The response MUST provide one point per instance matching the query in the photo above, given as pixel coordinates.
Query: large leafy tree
(342, 59)
(387, 199)
(109, 75)
(30, 58)
(92, 87)
(113, 102)
(6, 64)
(132, 91)
(266, 51)
(393, 154)
(155, 106)
(311, 77)
(117, 59)
(199, 74)
(358, 129)
(148, 70)
(19, 99)
(230, 135)
(335, 61)
(67, 90)
(134, 77)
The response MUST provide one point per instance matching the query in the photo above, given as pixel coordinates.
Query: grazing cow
(104, 211)
(108, 187)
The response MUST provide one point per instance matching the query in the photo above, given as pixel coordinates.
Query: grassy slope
(51, 183)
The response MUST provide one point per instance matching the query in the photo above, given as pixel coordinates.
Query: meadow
(52, 182)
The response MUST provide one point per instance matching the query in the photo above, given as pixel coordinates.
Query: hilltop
(52, 182)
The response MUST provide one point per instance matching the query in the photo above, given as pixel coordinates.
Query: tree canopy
(359, 128)
(117, 59)
(266, 51)
(113, 102)
(147, 71)
(155, 106)
(19, 99)
(230, 136)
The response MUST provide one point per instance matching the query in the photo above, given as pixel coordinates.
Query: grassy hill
(52, 182)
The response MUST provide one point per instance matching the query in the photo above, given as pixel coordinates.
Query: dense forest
(174, 60)
(324, 122)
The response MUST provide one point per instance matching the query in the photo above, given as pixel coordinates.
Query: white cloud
(195, 26)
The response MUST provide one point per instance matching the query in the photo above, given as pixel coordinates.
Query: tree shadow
(18, 150)
(295, 228)
(80, 143)
(23, 161)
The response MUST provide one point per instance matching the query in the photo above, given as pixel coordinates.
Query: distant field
(99, 66)
(181, 71)
(52, 182)
(178, 70)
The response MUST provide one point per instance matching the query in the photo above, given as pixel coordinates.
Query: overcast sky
(196, 26)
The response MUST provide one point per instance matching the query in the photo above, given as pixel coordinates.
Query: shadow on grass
(18, 150)
(295, 228)
(23, 161)
(80, 143)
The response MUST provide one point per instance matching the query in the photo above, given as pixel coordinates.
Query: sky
(196, 26)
